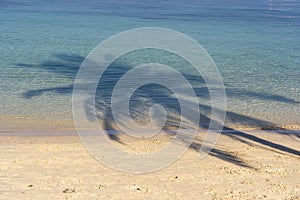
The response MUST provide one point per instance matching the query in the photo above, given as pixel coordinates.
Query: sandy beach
(77, 75)
(243, 165)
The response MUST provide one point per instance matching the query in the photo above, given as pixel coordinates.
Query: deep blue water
(255, 44)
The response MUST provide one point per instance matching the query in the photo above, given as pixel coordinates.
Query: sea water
(255, 45)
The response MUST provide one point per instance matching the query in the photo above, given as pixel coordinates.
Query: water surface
(256, 46)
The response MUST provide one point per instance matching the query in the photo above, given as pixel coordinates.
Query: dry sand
(243, 165)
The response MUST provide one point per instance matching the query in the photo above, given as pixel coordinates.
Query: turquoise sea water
(255, 44)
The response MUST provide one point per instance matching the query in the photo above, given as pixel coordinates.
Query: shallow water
(256, 46)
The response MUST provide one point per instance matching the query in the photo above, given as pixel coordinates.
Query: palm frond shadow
(67, 65)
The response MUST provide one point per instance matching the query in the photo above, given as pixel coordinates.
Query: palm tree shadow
(239, 134)
(67, 66)
(223, 155)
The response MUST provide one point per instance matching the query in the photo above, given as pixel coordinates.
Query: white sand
(44, 167)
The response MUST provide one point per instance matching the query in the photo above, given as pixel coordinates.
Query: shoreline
(26, 122)
(73, 131)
